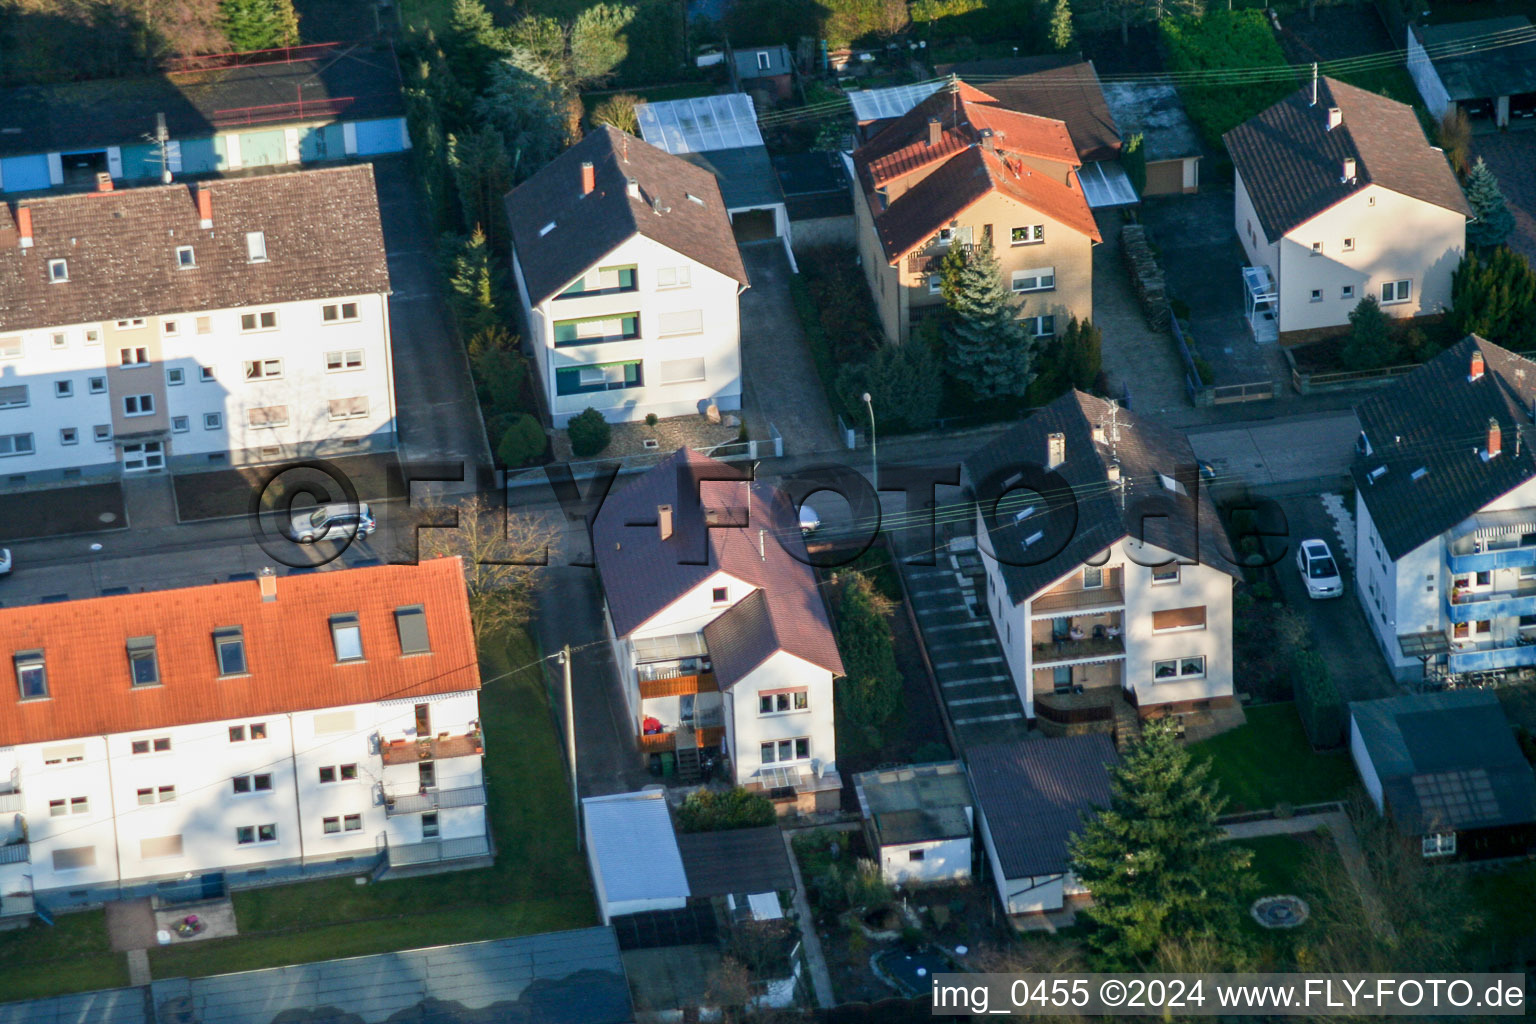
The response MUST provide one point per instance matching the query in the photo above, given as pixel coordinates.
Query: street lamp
(874, 451)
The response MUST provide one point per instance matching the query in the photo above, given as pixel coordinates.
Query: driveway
(1203, 260)
(782, 387)
(1339, 630)
(1137, 359)
(1512, 158)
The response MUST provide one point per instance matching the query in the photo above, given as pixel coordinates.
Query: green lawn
(1283, 866)
(71, 956)
(1269, 761)
(1505, 897)
(539, 882)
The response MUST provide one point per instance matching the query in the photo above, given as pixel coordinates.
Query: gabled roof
(559, 233)
(1292, 165)
(290, 658)
(1060, 86)
(1034, 794)
(323, 240)
(1447, 761)
(634, 847)
(1087, 518)
(740, 860)
(1436, 420)
(757, 541)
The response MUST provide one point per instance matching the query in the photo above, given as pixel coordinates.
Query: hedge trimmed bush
(708, 810)
(521, 442)
(589, 432)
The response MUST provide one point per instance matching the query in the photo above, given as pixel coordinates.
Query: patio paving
(130, 925)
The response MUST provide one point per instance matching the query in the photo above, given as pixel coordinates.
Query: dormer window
(143, 663)
(256, 246)
(347, 637)
(31, 675)
(58, 271)
(185, 258)
(229, 650)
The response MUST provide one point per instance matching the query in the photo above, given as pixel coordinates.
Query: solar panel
(1456, 798)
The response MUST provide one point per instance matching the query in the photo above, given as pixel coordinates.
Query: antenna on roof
(762, 545)
(1314, 84)
(625, 147)
(162, 139)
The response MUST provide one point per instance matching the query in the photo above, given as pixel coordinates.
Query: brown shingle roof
(289, 655)
(642, 574)
(1292, 165)
(586, 228)
(322, 235)
(1058, 86)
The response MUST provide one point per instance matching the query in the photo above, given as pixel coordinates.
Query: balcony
(656, 742)
(1488, 656)
(438, 748)
(679, 685)
(433, 799)
(12, 803)
(1486, 561)
(435, 851)
(1096, 599)
(15, 853)
(1492, 604)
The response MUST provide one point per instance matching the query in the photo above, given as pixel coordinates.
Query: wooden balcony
(678, 686)
(437, 748)
(656, 742)
(1068, 601)
(1059, 651)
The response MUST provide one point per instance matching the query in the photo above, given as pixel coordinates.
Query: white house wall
(943, 860)
(695, 609)
(750, 730)
(1424, 75)
(1363, 764)
(1250, 232)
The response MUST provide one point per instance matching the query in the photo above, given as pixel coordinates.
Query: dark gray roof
(1491, 67)
(814, 185)
(745, 175)
(1447, 761)
(779, 62)
(642, 573)
(572, 977)
(1436, 420)
(1087, 516)
(586, 228)
(1034, 794)
(344, 83)
(1063, 86)
(735, 861)
(1292, 165)
(1156, 112)
(323, 240)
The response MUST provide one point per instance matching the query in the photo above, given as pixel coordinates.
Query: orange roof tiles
(291, 664)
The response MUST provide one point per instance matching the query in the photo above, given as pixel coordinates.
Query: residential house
(632, 852)
(1108, 573)
(719, 628)
(1485, 67)
(1445, 514)
(275, 108)
(1340, 196)
(628, 276)
(917, 821)
(234, 321)
(768, 69)
(959, 169)
(1446, 769)
(1031, 797)
(238, 734)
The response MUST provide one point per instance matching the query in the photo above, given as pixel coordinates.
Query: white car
(1318, 570)
(810, 522)
(336, 521)
(5, 561)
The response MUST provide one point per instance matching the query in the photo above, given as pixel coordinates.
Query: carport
(1486, 67)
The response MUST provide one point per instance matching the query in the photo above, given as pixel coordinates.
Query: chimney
(24, 225)
(1475, 372)
(1112, 472)
(1349, 169)
(103, 181)
(1335, 118)
(588, 178)
(935, 131)
(204, 208)
(1495, 438)
(1098, 433)
(268, 580)
(633, 186)
(664, 521)
(1055, 450)
(986, 140)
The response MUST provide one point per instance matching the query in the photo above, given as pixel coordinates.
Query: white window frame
(1041, 279)
(935, 284)
(682, 277)
(186, 258)
(336, 313)
(341, 357)
(181, 424)
(1317, 295)
(256, 247)
(175, 376)
(270, 424)
(170, 328)
(355, 414)
(25, 391)
(59, 339)
(1172, 581)
(1347, 292)
(69, 435)
(1349, 245)
(1438, 844)
(132, 356)
(1035, 325)
(96, 385)
(130, 325)
(92, 336)
(795, 702)
(1178, 666)
(58, 271)
(11, 347)
(257, 325)
(10, 446)
(1402, 288)
(102, 431)
(64, 388)
(213, 421)
(675, 331)
(138, 405)
(205, 375)
(264, 370)
(1033, 234)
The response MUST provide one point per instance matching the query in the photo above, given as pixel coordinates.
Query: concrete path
(138, 967)
(816, 962)
(1135, 356)
(1262, 453)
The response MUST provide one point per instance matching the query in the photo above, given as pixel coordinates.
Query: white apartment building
(1445, 514)
(1108, 571)
(229, 322)
(1339, 196)
(719, 630)
(628, 276)
(240, 734)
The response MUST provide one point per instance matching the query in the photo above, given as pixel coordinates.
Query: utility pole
(570, 739)
(162, 138)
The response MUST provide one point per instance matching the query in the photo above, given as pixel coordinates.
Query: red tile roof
(289, 656)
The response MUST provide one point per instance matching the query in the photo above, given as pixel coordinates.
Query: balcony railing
(1087, 649)
(433, 799)
(12, 803)
(1053, 605)
(434, 749)
(1475, 606)
(655, 742)
(436, 850)
(16, 853)
(1490, 657)
(676, 686)
(1486, 561)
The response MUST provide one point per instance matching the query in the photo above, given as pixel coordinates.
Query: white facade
(1376, 242)
(1030, 894)
(262, 797)
(240, 385)
(664, 334)
(936, 860)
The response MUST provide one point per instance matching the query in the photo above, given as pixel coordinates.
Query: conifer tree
(1155, 860)
(1370, 342)
(986, 347)
(1061, 25)
(1494, 221)
(259, 24)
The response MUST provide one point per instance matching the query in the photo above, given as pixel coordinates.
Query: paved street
(1290, 450)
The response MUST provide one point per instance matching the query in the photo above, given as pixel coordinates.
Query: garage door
(24, 173)
(753, 225)
(1166, 177)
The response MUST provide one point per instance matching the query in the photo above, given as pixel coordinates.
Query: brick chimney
(1335, 118)
(268, 580)
(935, 131)
(204, 208)
(1349, 169)
(1495, 438)
(664, 521)
(103, 181)
(24, 225)
(1475, 372)
(986, 140)
(588, 178)
(1055, 450)
(633, 186)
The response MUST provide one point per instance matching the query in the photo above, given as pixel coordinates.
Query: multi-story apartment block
(239, 734)
(628, 275)
(1445, 514)
(719, 629)
(958, 169)
(226, 322)
(1339, 196)
(1108, 571)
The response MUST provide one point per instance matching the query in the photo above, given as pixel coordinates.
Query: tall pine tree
(1494, 221)
(483, 174)
(1155, 859)
(987, 349)
(259, 24)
